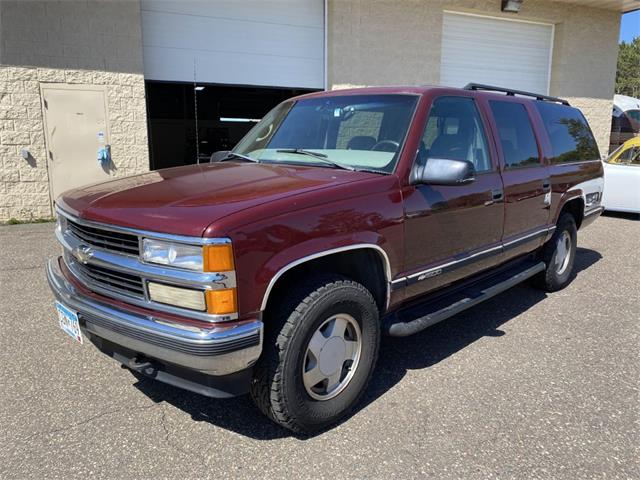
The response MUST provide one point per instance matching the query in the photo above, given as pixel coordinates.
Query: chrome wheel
(563, 252)
(332, 357)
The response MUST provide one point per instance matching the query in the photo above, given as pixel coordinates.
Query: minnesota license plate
(69, 322)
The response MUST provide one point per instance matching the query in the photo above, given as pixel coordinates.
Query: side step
(412, 319)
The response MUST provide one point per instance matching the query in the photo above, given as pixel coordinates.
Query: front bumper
(217, 351)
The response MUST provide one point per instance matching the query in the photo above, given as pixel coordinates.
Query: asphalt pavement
(526, 385)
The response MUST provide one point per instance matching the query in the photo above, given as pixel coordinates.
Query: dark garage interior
(188, 123)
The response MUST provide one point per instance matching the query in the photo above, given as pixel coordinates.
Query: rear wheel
(319, 353)
(559, 255)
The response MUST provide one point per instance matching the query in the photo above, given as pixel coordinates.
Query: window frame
(542, 161)
(486, 127)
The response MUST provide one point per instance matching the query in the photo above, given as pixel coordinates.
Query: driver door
(453, 231)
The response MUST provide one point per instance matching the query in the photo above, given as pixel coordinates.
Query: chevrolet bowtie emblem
(83, 253)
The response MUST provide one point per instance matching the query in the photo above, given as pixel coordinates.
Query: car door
(621, 181)
(453, 231)
(525, 174)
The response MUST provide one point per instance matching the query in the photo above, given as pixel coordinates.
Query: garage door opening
(187, 124)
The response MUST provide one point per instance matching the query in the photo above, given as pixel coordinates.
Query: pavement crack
(167, 439)
(21, 268)
(85, 421)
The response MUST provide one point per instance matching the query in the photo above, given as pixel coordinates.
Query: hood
(185, 200)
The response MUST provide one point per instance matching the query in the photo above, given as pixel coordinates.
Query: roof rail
(511, 92)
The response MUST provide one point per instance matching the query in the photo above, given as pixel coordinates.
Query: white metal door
(76, 128)
(253, 42)
(502, 52)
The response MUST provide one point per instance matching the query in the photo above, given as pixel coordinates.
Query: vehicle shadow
(621, 215)
(399, 355)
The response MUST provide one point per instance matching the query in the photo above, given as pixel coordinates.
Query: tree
(628, 73)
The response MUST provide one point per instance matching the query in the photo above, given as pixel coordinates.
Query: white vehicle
(622, 178)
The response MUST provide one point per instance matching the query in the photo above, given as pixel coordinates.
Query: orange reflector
(222, 302)
(218, 258)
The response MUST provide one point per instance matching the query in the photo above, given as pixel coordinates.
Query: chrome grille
(106, 239)
(98, 278)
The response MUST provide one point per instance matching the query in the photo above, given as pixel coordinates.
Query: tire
(278, 387)
(559, 271)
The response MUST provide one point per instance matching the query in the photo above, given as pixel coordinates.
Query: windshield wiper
(318, 155)
(239, 156)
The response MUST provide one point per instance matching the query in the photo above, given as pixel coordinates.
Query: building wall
(94, 43)
(383, 42)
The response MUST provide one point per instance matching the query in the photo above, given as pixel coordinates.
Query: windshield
(634, 115)
(360, 132)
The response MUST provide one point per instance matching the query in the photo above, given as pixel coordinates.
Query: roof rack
(511, 92)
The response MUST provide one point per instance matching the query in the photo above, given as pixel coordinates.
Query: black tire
(558, 275)
(278, 388)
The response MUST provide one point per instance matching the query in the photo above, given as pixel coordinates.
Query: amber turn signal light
(218, 258)
(222, 302)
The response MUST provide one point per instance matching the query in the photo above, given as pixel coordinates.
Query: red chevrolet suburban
(340, 217)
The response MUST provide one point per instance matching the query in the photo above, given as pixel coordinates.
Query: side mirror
(443, 171)
(217, 156)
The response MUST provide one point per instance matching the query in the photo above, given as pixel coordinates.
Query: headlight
(172, 254)
(209, 258)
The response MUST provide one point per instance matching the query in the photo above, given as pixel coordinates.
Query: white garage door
(505, 53)
(258, 42)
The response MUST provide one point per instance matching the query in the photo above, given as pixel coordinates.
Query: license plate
(69, 322)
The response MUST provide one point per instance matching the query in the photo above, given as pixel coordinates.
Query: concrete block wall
(386, 42)
(24, 183)
(91, 43)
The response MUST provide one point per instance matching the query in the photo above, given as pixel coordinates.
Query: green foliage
(628, 73)
(13, 221)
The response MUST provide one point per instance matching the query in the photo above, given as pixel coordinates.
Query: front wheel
(559, 254)
(319, 353)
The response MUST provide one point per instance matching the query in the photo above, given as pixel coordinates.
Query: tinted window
(454, 130)
(516, 134)
(570, 135)
(634, 115)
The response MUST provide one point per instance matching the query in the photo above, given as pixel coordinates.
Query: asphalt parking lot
(527, 385)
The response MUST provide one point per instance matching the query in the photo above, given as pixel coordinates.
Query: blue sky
(630, 26)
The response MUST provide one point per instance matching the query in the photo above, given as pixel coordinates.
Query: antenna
(195, 108)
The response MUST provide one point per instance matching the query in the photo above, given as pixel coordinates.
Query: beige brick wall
(92, 43)
(386, 42)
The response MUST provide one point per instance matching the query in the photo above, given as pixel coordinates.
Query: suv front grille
(106, 239)
(100, 278)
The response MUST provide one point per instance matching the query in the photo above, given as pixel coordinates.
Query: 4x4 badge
(83, 253)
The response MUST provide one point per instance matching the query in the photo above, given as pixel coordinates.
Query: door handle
(496, 195)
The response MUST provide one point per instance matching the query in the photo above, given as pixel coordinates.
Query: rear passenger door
(527, 186)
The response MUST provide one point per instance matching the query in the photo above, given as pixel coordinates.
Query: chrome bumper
(213, 351)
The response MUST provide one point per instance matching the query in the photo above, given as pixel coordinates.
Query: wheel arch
(574, 206)
(381, 293)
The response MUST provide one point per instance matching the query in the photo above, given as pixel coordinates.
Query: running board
(415, 318)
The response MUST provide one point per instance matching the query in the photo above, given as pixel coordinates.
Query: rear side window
(517, 139)
(570, 135)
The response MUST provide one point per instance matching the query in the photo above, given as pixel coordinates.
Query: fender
(581, 190)
(311, 250)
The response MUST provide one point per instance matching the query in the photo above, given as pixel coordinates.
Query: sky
(630, 26)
